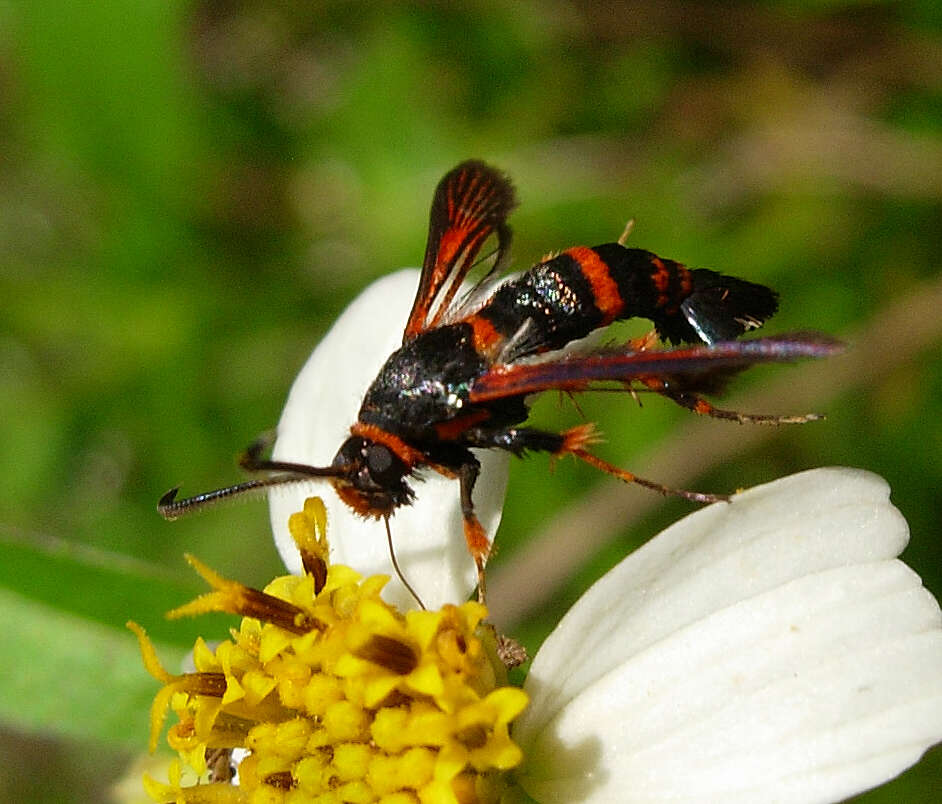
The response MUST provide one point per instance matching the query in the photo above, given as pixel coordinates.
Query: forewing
(697, 367)
(471, 202)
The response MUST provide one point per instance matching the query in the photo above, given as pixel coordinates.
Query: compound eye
(384, 467)
(350, 452)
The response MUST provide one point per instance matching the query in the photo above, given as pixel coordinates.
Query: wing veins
(471, 202)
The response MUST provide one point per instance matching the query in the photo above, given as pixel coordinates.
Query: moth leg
(518, 440)
(575, 442)
(479, 546)
(697, 404)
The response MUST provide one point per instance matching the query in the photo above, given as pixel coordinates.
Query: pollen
(331, 695)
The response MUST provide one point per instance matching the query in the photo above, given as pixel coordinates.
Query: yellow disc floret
(335, 696)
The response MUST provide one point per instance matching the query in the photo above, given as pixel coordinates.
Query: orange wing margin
(471, 202)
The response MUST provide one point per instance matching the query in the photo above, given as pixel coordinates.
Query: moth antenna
(170, 508)
(395, 563)
(261, 444)
(252, 461)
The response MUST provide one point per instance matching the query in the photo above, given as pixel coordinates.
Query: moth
(470, 362)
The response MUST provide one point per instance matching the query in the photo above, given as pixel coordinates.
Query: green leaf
(69, 665)
(66, 675)
(102, 587)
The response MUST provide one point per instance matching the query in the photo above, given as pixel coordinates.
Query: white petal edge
(771, 650)
(322, 404)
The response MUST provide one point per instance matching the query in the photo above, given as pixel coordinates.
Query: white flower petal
(768, 650)
(322, 405)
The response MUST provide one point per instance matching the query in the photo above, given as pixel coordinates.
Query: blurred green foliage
(191, 192)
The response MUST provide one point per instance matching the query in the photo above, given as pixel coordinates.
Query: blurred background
(191, 192)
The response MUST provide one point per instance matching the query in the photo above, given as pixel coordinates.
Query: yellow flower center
(337, 696)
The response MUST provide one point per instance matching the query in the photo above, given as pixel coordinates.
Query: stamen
(234, 598)
(395, 656)
(211, 684)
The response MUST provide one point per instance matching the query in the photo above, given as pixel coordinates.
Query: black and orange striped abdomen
(568, 296)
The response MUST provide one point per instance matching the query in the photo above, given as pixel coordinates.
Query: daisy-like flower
(772, 649)
(769, 650)
(334, 695)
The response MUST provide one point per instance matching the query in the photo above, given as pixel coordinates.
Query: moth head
(372, 479)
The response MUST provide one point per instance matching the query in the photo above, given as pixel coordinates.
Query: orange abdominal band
(604, 289)
(484, 336)
(661, 279)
